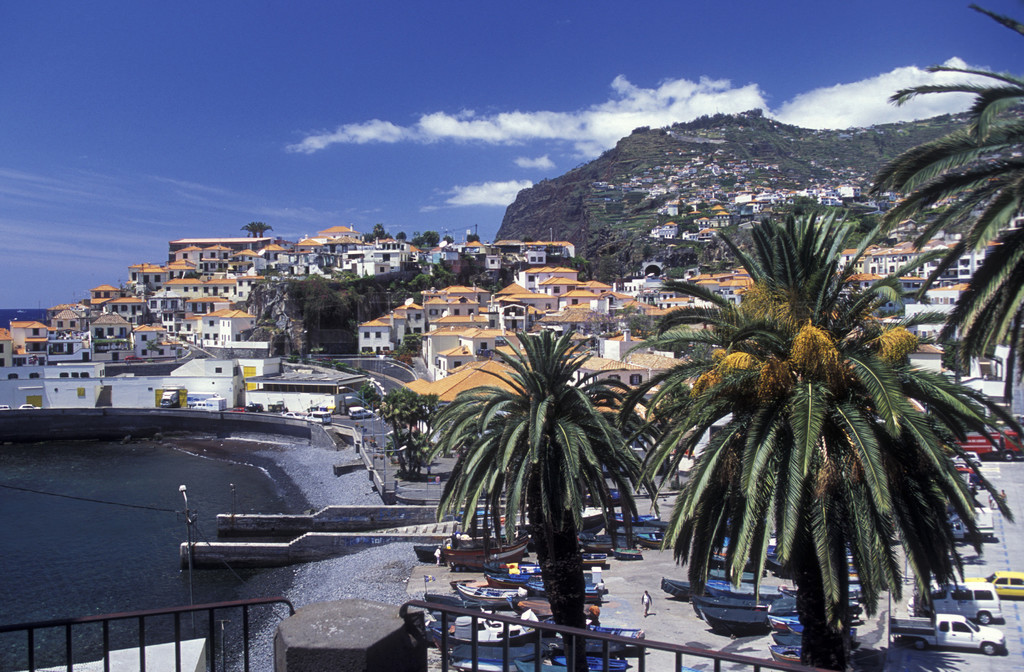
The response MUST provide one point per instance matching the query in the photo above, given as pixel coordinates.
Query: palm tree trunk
(822, 645)
(558, 555)
(1010, 368)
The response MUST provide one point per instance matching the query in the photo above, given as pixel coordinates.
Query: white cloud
(541, 162)
(590, 130)
(866, 102)
(487, 193)
(598, 127)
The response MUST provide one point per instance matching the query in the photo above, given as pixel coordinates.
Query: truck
(212, 403)
(983, 521)
(172, 397)
(995, 446)
(948, 630)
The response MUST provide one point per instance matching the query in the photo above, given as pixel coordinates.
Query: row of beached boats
(518, 587)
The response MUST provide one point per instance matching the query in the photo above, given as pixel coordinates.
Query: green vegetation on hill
(607, 207)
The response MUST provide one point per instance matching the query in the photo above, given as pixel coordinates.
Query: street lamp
(188, 536)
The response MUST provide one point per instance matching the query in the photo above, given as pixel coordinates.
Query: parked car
(1006, 583)
(976, 601)
(293, 414)
(4, 407)
(359, 413)
(254, 408)
(27, 407)
(950, 630)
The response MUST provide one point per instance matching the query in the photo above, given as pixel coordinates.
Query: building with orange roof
(131, 308)
(232, 244)
(6, 348)
(103, 293)
(224, 328)
(531, 277)
(375, 335)
(470, 376)
(610, 369)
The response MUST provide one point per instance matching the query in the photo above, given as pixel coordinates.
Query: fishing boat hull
(475, 557)
(785, 654)
(736, 622)
(497, 598)
(627, 554)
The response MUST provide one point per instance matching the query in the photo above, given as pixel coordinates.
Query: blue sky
(127, 124)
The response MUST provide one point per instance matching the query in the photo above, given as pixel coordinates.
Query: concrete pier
(309, 547)
(328, 519)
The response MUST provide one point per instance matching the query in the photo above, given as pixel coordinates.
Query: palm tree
(975, 177)
(821, 432)
(257, 229)
(544, 440)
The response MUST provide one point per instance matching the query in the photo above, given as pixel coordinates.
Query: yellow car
(1007, 584)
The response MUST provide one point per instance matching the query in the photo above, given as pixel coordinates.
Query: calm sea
(8, 314)
(94, 528)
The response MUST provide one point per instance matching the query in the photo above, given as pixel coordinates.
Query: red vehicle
(1004, 446)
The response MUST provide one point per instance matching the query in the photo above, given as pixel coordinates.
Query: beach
(306, 477)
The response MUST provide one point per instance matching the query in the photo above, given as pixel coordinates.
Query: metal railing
(571, 635)
(79, 635)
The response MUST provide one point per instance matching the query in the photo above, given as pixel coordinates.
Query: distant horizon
(126, 126)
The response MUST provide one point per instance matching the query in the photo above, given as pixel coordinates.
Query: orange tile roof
(469, 376)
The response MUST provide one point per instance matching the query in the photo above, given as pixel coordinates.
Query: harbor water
(95, 527)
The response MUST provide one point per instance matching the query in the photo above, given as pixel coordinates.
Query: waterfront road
(674, 621)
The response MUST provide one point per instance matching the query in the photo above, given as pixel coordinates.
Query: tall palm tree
(257, 229)
(975, 177)
(544, 441)
(822, 434)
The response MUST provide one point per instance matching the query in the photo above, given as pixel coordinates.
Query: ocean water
(104, 537)
(8, 314)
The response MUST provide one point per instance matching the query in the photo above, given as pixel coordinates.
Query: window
(1017, 582)
(218, 370)
(944, 626)
(635, 379)
(614, 377)
(961, 594)
(12, 376)
(64, 374)
(960, 627)
(983, 595)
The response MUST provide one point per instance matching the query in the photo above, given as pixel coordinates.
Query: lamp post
(188, 537)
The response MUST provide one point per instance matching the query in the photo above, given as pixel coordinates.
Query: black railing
(571, 636)
(79, 636)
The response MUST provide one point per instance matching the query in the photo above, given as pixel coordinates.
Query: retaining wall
(112, 424)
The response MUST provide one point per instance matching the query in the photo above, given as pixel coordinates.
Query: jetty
(279, 540)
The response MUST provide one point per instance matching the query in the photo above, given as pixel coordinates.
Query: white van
(976, 601)
(323, 417)
(359, 413)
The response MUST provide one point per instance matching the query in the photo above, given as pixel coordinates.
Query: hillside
(607, 207)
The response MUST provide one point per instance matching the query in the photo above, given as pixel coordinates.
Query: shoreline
(304, 474)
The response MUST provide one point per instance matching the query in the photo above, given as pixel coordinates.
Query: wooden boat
(595, 543)
(538, 605)
(505, 580)
(425, 552)
(471, 554)
(489, 656)
(736, 622)
(720, 588)
(496, 597)
(652, 540)
(699, 602)
(785, 654)
(631, 633)
(512, 567)
(678, 589)
(786, 623)
(595, 559)
(787, 638)
(487, 632)
(592, 592)
(627, 554)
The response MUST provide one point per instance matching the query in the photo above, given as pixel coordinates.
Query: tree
(824, 435)
(426, 240)
(405, 410)
(257, 229)
(544, 441)
(378, 232)
(977, 176)
(472, 238)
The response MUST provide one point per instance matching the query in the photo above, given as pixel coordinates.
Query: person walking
(437, 555)
(646, 601)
